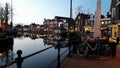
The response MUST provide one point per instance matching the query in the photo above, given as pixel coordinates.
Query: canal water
(28, 46)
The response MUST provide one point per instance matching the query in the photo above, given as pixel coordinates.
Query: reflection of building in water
(30, 35)
(55, 40)
(6, 50)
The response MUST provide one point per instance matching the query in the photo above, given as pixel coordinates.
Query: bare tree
(1, 14)
(79, 9)
(4, 13)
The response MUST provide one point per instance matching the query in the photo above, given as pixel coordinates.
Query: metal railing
(20, 59)
(58, 59)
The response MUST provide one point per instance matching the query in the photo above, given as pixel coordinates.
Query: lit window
(102, 22)
(106, 22)
(65, 21)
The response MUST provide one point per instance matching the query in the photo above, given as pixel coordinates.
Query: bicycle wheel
(82, 50)
(107, 52)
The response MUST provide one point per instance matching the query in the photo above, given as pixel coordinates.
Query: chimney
(108, 15)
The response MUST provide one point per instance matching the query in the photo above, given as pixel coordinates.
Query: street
(76, 62)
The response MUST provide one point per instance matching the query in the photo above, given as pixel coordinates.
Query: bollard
(19, 60)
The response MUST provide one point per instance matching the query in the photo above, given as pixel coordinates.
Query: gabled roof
(68, 20)
(82, 15)
(59, 17)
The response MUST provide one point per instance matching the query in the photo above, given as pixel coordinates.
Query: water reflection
(41, 59)
(48, 39)
(6, 50)
(36, 42)
(55, 39)
(32, 36)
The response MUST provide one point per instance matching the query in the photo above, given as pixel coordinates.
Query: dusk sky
(30, 11)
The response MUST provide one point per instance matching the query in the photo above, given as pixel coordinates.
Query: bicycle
(99, 49)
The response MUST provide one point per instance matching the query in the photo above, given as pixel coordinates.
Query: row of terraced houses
(85, 22)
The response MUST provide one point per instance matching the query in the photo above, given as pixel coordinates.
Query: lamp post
(70, 15)
(69, 28)
(70, 8)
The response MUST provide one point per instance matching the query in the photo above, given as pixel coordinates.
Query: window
(118, 12)
(78, 17)
(102, 22)
(113, 12)
(64, 20)
(108, 22)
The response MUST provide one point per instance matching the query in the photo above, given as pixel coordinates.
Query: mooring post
(19, 59)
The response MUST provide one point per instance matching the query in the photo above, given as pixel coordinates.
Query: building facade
(115, 19)
(105, 24)
(65, 23)
(59, 24)
(48, 25)
(80, 21)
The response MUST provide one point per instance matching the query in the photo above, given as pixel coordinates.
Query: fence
(20, 59)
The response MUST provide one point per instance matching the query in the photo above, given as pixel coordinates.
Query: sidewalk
(77, 62)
